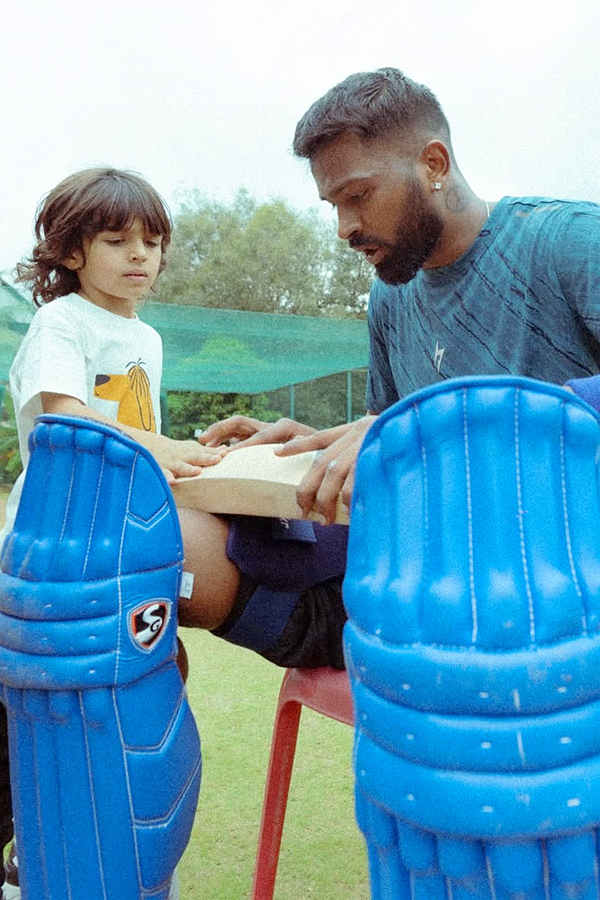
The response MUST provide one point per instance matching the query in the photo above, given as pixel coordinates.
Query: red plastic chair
(327, 691)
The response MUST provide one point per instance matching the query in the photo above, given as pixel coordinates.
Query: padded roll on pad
(473, 643)
(105, 755)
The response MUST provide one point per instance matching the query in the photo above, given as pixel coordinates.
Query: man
(464, 286)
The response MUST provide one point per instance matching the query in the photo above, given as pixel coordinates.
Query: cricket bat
(251, 481)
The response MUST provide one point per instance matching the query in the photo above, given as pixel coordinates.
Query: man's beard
(417, 235)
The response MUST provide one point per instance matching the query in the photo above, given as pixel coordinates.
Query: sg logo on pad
(147, 622)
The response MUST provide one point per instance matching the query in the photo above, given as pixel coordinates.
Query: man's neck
(465, 214)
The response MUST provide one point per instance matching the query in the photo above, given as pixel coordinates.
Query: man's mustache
(367, 241)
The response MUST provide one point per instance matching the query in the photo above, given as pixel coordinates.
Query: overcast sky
(206, 94)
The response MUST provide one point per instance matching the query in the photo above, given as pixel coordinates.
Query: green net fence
(221, 350)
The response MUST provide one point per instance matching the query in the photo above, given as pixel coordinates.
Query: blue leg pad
(473, 643)
(105, 754)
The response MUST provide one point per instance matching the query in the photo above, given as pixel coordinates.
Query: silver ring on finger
(332, 465)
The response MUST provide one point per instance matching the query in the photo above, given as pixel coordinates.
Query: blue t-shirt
(523, 300)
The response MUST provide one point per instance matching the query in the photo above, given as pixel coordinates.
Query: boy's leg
(216, 578)
(272, 586)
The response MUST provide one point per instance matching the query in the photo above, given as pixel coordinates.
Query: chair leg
(279, 775)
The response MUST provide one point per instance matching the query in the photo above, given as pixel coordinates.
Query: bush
(188, 412)
(10, 458)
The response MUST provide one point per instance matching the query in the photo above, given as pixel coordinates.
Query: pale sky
(206, 94)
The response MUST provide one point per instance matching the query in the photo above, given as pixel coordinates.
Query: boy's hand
(177, 459)
(182, 459)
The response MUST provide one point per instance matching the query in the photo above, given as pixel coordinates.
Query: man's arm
(332, 471)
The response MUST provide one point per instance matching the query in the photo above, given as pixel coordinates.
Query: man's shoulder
(536, 209)
(544, 226)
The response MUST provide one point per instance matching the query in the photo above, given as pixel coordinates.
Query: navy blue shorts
(289, 605)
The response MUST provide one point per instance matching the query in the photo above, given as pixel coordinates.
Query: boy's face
(120, 267)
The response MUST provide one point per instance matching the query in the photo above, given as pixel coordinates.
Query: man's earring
(436, 186)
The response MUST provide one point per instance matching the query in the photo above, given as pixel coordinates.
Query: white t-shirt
(73, 347)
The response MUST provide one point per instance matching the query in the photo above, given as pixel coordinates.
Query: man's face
(383, 209)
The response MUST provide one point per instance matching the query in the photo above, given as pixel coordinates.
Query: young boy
(102, 236)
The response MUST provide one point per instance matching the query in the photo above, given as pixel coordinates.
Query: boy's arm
(176, 458)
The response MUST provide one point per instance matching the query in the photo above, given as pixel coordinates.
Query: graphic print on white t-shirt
(132, 392)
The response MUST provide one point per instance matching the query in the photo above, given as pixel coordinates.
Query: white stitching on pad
(520, 515)
(92, 784)
(94, 514)
(119, 570)
(563, 485)
(475, 630)
(417, 413)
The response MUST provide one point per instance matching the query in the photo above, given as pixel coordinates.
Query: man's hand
(244, 431)
(332, 471)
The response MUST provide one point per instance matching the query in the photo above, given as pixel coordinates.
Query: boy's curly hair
(78, 208)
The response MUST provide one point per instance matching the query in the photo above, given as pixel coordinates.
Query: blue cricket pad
(105, 755)
(473, 643)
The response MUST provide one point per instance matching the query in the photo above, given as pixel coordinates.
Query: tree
(261, 257)
(349, 279)
(189, 412)
(264, 258)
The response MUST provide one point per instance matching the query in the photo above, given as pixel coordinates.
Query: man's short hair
(370, 104)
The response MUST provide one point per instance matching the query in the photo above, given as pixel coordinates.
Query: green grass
(233, 694)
